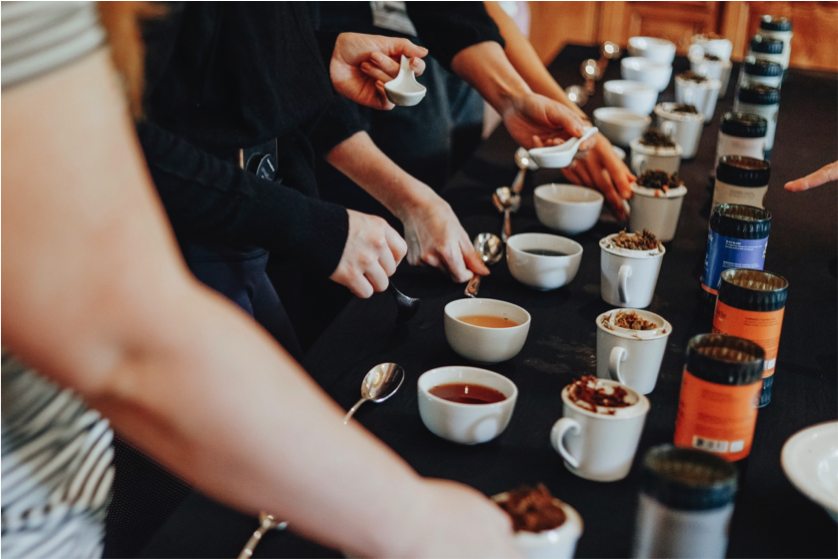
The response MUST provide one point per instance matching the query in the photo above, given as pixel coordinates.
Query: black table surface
(771, 519)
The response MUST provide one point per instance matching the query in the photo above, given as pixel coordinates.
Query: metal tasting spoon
(506, 202)
(490, 249)
(407, 306)
(380, 383)
(266, 522)
(524, 163)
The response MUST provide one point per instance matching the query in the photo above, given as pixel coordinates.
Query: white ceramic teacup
(715, 69)
(656, 210)
(703, 95)
(644, 158)
(635, 96)
(620, 125)
(599, 446)
(465, 423)
(540, 271)
(628, 277)
(567, 208)
(684, 128)
(558, 543)
(480, 343)
(645, 70)
(631, 357)
(717, 46)
(653, 48)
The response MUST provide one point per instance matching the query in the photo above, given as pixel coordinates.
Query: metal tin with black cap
(686, 502)
(741, 180)
(780, 28)
(761, 70)
(767, 47)
(741, 134)
(751, 304)
(762, 100)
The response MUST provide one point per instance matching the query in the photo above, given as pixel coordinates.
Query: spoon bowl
(381, 382)
(490, 249)
(404, 90)
(556, 157)
(524, 163)
(506, 202)
(407, 306)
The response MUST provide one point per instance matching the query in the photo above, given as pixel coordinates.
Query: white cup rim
(627, 252)
(711, 83)
(638, 147)
(639, 408)
(617, 115)
(524, 324)
(637, 87)
(662, 111)
(641, 62)
(671, 194)
(485, 372)
(523, 237)
(541, 190)
(662, 331)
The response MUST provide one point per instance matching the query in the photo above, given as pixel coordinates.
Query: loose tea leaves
(533, 509)
(685, 108)
(656, 138)
(641, 240)
(660, 180)
(689, 75)
(632, 321)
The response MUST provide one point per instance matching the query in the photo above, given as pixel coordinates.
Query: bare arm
(95, 296)
(433, 233)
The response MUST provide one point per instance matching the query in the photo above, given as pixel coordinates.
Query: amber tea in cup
(488, 321)
(467, 393)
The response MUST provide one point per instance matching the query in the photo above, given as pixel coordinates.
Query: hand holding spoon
(404, 90)
(556, 157)
(490, 249)
(380, 383)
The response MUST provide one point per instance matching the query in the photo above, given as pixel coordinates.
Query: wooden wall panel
(555, 24)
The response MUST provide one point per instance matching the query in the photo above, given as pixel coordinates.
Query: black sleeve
(446, 28)
(341, 120)
(208, 198)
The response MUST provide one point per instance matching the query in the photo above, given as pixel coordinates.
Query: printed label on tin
(717, 418)
(724, 193)
(727, 252)
(762, 328)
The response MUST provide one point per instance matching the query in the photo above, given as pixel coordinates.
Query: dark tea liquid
(544, 252)
(463, 393)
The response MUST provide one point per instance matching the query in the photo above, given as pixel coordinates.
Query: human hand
(373, 251)
(535, 121)
(435, 237)
(603, 169)
(355, 51)
(456, 521)
(827, 173)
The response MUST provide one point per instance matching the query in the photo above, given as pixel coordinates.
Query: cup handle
(668, 127)
(561, 427)
(689, 92)
(618, 355)
(638, 163)
(622, 283)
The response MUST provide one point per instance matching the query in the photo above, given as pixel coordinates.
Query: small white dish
(538, 271)
(654, 74)
(567, 208)
(465, 423)
(620, 125)
(482, 344)
(810, 461)
(633, 95)
(560, 156)
(558, 543)
(659, 50)
(404, 90)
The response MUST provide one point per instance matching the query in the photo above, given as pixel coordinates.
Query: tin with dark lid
(738, 238)
(741, 180)
(717, 409)
(774, 23)
(766, 45)
(741, 134)
(762, 100)
(761, 70)
(751, 305)
(686, 501)
(779, 28)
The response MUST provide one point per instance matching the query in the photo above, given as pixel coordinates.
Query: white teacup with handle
(631, 357)
(628, 277)
(684, 128)
(599, 445)
(646, 158)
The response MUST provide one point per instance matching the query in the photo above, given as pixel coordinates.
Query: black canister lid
(755, 66)
(741, 170)
(774, 23)
(766, 45)
(759, 94)
(740, 222)
(687, 479)
(722, 359)
(753, 290)
(744, 125)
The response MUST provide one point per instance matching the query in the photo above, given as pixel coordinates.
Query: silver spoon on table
(507, 203)
(379, 383)
(490, 249)
(524, 163)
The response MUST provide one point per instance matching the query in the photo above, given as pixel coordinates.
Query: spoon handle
(250, 546)
(473, 285)
(518, 183)
(507, 225)
(352, 410)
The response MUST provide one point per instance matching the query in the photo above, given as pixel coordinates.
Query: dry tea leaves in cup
(641, 240)
(532, 509)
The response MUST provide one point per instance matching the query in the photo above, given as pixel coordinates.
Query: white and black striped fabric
(57, 469)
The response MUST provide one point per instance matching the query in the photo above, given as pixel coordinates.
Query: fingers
(417, 65)
(828, 173)
(620, 173)
(405, 47)
(452, 258)
(385, 67)
(384, 104)
(562, 117)
(473, 260)
(397, 245)
(375, 275)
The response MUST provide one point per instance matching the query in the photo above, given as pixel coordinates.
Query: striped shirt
(57, 458)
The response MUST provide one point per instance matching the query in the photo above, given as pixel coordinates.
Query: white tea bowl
(539, 271)
(659, 50)
(567, 208)
(654, 74)
(620, 125)
(633, 95)
(480, 343)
